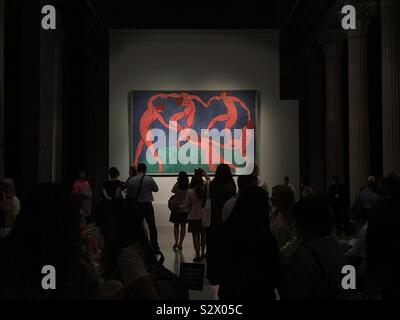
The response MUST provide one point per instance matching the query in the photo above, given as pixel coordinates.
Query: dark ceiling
(297, 19)
(178, 14)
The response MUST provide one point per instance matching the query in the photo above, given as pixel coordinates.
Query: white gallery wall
(204, 60)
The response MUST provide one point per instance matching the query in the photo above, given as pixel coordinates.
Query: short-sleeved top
(131, 265)
(81, 186)
(180, 195)
(111, 187)
(193, 202)
(146, 189)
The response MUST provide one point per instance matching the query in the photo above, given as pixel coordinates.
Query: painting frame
(133, 121)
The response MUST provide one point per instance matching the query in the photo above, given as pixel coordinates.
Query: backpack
(168, 285)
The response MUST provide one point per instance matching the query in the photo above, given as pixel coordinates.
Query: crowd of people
(255, 244)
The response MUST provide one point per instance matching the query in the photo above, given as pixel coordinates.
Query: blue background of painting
(138, 104)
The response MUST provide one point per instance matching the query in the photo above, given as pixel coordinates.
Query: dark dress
(219, 193)
(180, 215)
(111, 187)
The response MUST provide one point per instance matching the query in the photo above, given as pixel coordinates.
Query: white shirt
(131, 265)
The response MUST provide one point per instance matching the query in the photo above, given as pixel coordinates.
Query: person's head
(286, 180)
(371, 181)
(82, 175)
(142, 168)
(283, 198)
(199, 172)
(183, 180)
(223, 173)
(132, 171)
(8, 187)
(223, 93)
(160, 108)
(250, 218)
(114, 173)
(197, 185)
(246, 181)
(313, 218)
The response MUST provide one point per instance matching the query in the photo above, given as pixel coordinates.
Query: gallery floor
(173, 259)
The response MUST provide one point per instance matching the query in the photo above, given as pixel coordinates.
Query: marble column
(390, 17)
(359, 126)
(334, 144)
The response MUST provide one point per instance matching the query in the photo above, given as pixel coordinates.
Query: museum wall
(204, 60)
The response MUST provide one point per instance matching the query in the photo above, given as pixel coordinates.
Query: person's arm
(16, 208)
(124, 184)
(163, 122)
(243, 105)
(105, 195)
(205, 105)
(118, 192)
(173, 95)
(157, 96)
(174, 188)
(154, 186)
(187, 200)
(212, 100)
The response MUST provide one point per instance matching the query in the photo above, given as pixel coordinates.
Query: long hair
(197, 185)
(224, 174)
(248, 248)
(183, 180)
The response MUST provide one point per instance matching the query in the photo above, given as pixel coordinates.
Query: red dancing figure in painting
(230, 117)
(186, 101)
(152, 114)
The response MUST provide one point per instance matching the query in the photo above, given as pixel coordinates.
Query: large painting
(178, 130)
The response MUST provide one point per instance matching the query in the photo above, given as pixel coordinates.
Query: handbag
(173, 204)
(206, 217)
